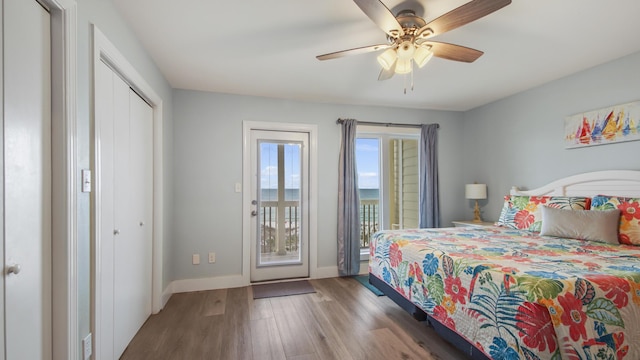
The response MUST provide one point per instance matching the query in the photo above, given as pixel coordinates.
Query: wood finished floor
(342, 320)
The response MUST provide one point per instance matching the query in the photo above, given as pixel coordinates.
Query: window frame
(384, 134)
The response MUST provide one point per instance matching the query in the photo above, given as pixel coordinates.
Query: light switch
(238, 187)
(86, 180)
(195, 259)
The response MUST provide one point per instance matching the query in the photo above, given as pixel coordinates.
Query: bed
(567, 287)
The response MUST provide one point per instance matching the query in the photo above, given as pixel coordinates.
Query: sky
(367, 157)
(269, 166)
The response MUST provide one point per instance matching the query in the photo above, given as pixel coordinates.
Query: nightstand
(472, 223)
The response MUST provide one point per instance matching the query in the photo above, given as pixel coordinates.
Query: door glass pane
(368, 164)
(279, 196)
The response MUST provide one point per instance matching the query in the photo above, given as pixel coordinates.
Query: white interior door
(133, 217)
(124, 123)
(27, 180)
(280, 206)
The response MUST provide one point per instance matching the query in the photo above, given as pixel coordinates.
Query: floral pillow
(525, 212)
(629, 231)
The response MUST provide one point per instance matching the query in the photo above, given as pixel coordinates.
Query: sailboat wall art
(604, 126)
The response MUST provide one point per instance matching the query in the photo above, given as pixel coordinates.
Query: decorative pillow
(524, 213)
(629, 231)
(599, 226)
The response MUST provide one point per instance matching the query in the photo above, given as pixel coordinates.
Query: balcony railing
(269, 227)
(368, 221)
(369, 214)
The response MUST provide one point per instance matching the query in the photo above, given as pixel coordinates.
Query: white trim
(211, 283)
(104, 50)
(65, 336)
(609, 182)
(312, 130)
(166, 294)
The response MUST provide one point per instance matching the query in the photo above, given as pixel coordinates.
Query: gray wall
(208, 161)
(519, 140)
(103, 14)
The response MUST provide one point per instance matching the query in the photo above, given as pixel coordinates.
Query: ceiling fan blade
(453, 52)
(381, 16)
(356, 51)
(387, 74)
(459, 16)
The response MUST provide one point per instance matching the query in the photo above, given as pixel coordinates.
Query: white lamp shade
(422, 56)
(387, 58)
(406, 50)
(475, 191)
(403, 66)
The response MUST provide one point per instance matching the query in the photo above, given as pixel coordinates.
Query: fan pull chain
(411, 74)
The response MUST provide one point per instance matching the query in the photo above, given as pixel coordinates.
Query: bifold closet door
(126, 186)
(133, 199)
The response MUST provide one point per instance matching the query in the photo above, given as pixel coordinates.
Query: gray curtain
(348, 204)
(429, 211)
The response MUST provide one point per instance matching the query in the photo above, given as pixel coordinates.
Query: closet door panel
(125, 263)
(104, 119)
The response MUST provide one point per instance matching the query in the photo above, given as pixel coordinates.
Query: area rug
(364, 280)
(282, 289)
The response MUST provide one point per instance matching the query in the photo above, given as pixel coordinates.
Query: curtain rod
(340, 121)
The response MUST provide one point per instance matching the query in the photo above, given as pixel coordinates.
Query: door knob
(141, 223)
(116, 232)
(254, 202)
(254, 213)
(14, 269)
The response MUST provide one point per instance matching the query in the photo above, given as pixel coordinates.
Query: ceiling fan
(408, 36)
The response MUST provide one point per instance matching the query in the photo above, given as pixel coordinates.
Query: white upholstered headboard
(611, 182)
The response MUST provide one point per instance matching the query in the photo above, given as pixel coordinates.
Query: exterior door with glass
(279, 206)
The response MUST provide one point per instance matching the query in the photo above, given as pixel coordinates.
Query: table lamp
(476, 192)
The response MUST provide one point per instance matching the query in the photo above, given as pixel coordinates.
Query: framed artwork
(603, 126)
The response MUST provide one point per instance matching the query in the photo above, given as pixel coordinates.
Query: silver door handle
(254, 213)
(14, 269)
(116, 232)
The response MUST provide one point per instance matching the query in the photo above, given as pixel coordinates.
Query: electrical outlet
(86, 347)
(212, 257)
(195, 259)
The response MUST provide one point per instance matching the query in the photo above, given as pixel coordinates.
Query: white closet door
(124, 128)
(133, 199)
(27, 180)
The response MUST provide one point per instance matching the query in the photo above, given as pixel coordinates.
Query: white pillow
(599, 226)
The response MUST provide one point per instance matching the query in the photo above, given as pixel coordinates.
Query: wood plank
(214, 302)
(325, 338)
(266, 342)
(384, 344)
(293, 331)
(236, 336)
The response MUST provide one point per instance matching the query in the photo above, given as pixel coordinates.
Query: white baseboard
(212, 283)
(233, 281)
(166, 294)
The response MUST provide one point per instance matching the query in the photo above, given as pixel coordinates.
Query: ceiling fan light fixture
(387, 58)
(403, 66)
(422, 56)
(406, 50)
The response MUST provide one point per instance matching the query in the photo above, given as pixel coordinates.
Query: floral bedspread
(515, 294)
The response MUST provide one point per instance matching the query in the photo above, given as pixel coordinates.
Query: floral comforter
(517, 295)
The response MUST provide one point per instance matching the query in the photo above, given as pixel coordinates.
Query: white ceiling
(268, 48)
